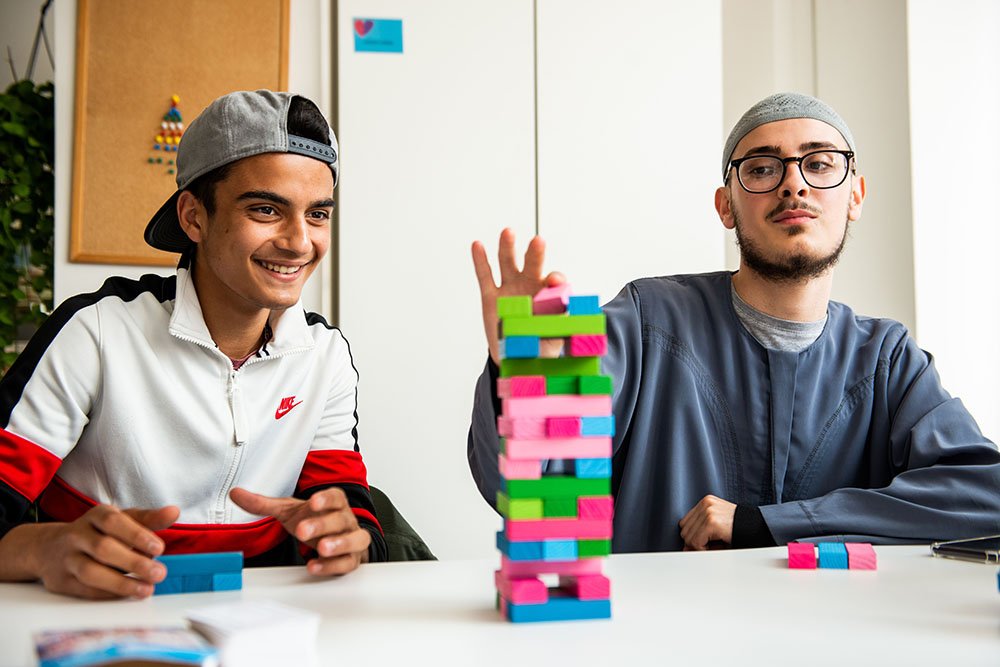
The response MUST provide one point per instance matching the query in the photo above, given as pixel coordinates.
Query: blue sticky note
(378, 35)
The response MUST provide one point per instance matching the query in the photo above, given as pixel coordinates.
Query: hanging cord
(40, 33)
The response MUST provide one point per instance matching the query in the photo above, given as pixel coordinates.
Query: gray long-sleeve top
(852, 436)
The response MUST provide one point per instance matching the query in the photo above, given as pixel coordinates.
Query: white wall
(18, 22)
(955, 107)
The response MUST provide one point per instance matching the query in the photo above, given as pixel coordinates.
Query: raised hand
(325, 522)
(513, 281)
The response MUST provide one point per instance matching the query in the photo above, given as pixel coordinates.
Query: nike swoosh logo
(284, 410)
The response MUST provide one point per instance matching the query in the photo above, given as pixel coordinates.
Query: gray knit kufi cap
(783, 106)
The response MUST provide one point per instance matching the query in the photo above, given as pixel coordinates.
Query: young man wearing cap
(205, 411)
(750, 409)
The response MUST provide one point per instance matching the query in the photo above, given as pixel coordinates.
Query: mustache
(794, 206)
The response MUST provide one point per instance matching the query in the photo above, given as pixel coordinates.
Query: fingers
(507, 256)
(534, 258)
(93, 578)
(122, 528)
(329, 522)
(340, 554)
(484, 272)
(155, 519)
(555, 278)
(262, 505)
(711, 519)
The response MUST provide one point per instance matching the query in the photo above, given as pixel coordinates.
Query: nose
(294, 236)
(792, 183)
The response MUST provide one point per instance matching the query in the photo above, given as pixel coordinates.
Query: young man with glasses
(750, 409)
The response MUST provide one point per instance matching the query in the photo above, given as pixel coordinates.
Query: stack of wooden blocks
(197, 573)
(555, 410)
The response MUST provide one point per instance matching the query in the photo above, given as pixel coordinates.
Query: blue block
(207, 563)
(559, 609)
(520, 347)
(518, 550)
(592, 468)
(833, 555)
(197, 583)
(603, 426)
(559, 550)
(227, 581)
(169, 586)
(583, 305)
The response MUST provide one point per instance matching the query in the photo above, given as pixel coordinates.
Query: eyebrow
(776, 150)
(267, 195)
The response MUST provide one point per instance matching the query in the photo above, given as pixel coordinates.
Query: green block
(519, 508)
(559, 507)
(561, 384)
(591, 548)
(514, 306)
(551, 367)
(554, 326)
(595, 384)
(557, 486)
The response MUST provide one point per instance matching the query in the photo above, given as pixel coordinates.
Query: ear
(724, 207)
(192, 216)
(858, 190)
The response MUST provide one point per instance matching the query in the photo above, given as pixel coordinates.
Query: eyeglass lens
(821, 169)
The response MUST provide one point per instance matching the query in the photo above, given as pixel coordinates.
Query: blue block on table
(227, 581)
(559, 609)
(583, 305)
(832, 555)
(592, 468)
(169, 586)
(206, 563)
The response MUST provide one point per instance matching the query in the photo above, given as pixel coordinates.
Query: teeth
(277, 268)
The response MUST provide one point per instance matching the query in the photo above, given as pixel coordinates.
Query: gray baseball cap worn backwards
(783, 106)
(233, 127)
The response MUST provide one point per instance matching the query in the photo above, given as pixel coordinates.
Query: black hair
(304, 120)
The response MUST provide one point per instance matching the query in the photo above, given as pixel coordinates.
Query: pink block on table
(801, 556)
(558, 405)
(523, 469)
(586, 345)
(861, 556)
(517, 449)
(532, 568)
(522, 427)
(562, 427)
(595, 507)
(521, 590)
(521, 386)
(551, 300)
(528, 530)
(587, 586)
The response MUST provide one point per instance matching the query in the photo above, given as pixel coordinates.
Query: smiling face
(795, 232)
(270, 228)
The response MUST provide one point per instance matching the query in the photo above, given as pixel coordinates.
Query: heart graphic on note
(363, 27)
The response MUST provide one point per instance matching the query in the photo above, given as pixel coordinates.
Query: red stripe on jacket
(335, 466)
(64, 503)
(24, 466)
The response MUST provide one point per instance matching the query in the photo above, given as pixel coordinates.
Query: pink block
(801, 556)
(521, 590)
(529, 530)
(558, 405)
(587, 587)
(522, 427)
(551, 300)
(521, 385)
(861, 556)
(588, 345)
(524, 469)
(533, 568)
(562, 427)
(595, 507)
(557, 448)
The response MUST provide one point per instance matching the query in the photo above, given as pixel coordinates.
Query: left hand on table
(710, 520)
(325, 523)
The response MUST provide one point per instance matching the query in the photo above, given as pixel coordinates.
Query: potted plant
(27, 220)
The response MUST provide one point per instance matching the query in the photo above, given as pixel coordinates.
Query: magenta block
(801, 556)
(558, 405)
(861, 556)
(522, 427)
(521, 386)
(595, 507)
(562, 427)
(585, 345)
(521, 590)
(533, 568)
(551, 300)
(587, 586)
(528, 530)
(523, 469)
(517, 449)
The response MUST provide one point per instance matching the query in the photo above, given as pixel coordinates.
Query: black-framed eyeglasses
(822, 170)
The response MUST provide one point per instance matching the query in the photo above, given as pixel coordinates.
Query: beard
(795, 267)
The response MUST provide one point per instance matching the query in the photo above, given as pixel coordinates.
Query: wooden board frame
(187, 47)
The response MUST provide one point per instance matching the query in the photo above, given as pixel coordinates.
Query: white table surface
(737, 607)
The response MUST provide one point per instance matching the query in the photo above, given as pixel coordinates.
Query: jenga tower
(555, 416)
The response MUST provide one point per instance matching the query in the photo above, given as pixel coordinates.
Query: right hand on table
(513, 281)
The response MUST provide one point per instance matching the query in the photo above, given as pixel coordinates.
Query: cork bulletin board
(133, 57)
